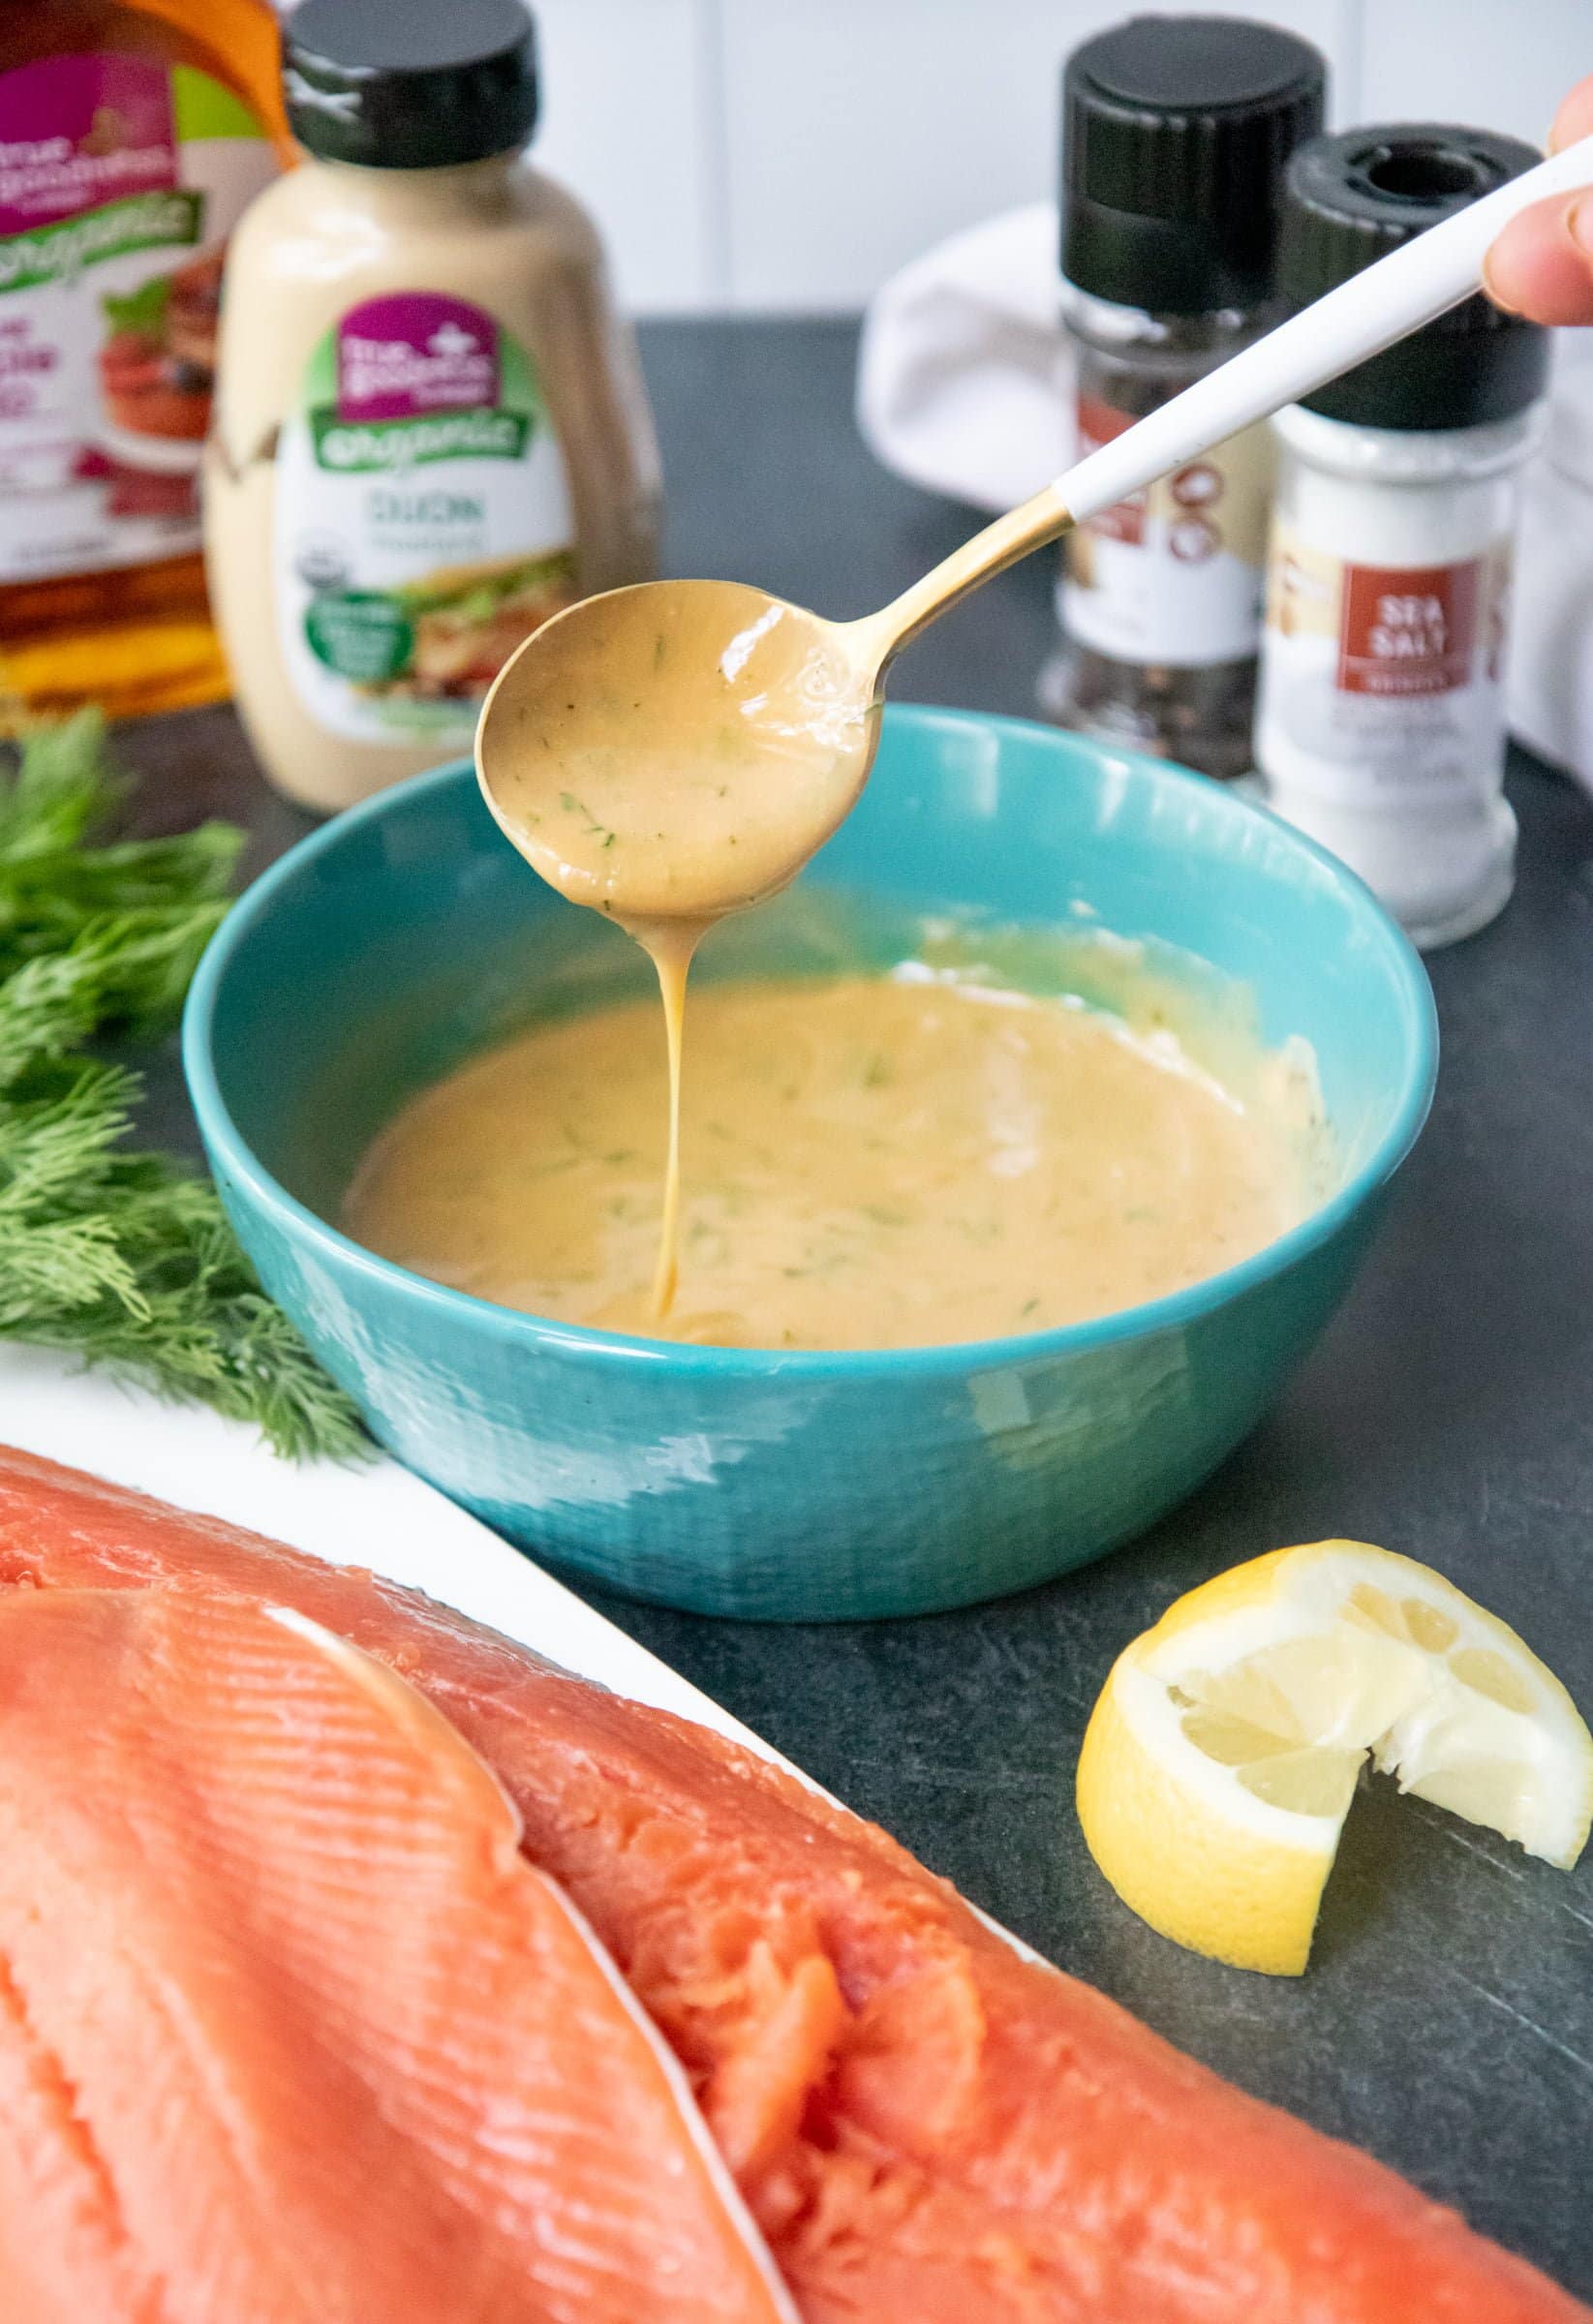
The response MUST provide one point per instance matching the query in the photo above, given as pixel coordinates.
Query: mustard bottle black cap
(410, 84)
(1175, 134)
(1353, 197)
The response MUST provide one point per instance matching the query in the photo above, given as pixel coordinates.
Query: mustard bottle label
(424, 519)
(120, 179)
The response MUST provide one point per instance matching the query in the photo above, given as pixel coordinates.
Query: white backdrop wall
(786, 155)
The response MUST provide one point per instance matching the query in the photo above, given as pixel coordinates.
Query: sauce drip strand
(671, 945)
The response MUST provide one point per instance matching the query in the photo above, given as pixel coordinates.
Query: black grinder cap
(411, 84)
(1352, 198)
(1175, 134)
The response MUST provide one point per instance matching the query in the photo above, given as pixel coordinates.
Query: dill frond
(121, 1256)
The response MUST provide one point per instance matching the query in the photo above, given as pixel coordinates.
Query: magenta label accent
(415, 353)
(77, 132)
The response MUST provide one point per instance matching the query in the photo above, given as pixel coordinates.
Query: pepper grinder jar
(1380, 726)
(1175, 134)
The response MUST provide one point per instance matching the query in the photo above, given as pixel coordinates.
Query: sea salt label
(1382, 682)
(1404, 631)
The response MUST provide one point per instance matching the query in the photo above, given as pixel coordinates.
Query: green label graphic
(367, 446)
(360, 634)
(60, 254)
(203, 108)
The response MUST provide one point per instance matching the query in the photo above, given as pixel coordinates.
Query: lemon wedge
(1221, 1759)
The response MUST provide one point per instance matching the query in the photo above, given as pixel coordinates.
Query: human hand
(1542, 264)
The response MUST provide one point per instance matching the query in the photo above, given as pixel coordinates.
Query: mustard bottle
(431, 433)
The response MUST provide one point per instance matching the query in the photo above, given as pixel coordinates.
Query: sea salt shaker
(1380, 725)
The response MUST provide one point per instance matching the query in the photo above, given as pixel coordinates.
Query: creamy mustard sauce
(869, 1162)
(671, 946)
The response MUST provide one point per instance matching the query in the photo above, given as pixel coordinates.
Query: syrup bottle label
(120, 180)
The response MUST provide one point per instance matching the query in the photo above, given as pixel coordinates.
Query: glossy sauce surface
(868, 1162)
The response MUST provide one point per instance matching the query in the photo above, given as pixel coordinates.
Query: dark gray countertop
(1446, 2020)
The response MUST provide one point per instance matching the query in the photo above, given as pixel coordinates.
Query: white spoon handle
(1434, 271)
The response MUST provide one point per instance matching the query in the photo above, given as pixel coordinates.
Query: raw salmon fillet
(290, 2031)
(929, 2128)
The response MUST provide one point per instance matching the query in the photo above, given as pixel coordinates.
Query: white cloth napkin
(964, 387)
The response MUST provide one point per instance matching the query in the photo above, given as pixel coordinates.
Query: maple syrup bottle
(133, 135)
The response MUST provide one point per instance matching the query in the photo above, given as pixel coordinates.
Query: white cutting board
(376, 1515)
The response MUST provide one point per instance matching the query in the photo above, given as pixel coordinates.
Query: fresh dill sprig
(123, 1256)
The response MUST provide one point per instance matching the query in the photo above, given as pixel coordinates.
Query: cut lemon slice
(1221, 1759)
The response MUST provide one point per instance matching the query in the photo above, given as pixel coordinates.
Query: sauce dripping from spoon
(675, 755)
(675, 752)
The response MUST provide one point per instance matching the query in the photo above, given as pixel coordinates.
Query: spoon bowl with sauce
(676, 752)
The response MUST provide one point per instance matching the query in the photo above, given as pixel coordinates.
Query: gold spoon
(676, 752)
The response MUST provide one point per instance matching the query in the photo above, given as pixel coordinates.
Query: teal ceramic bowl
(802, 1486)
